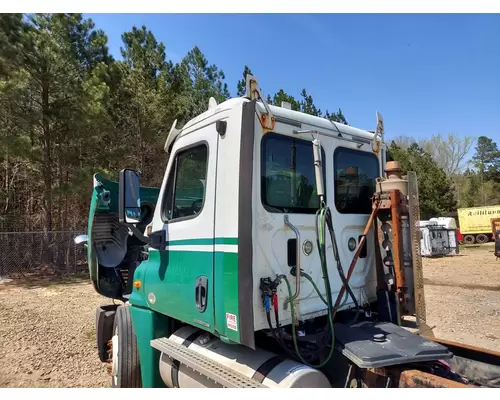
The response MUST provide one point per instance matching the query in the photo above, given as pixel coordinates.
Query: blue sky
(425, 73)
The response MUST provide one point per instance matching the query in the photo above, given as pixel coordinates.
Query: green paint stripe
(226, 240)
(202, 242)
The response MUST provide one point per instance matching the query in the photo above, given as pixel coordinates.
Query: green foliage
(281, 96)
(436, 189)
(336, 117)
(487, 159)
(201, 81)
(68, 110)
(241, 86)
(45, 98)
(476, 186)
(481, 184)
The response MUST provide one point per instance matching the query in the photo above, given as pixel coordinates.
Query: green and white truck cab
(234, 238)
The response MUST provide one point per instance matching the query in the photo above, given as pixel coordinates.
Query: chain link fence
(26, 253)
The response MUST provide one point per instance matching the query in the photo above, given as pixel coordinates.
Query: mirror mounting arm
(137, 233)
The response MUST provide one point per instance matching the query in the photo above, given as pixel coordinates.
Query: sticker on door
(231, 322)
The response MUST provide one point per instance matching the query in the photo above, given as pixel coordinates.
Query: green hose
(294, 334)
(328, 301)
(308, 277)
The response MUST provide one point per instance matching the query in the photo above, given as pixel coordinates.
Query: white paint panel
(271, 235)
(228, 168)
(204, 248)
(224, 248)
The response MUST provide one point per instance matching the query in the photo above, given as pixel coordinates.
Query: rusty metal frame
(411, 377)
(479, 368)
(406, 378)
(495, 228)
(419, 379)
(395, 205)
(397, 248)
(495, 225)
(253, 92)
(474, 353)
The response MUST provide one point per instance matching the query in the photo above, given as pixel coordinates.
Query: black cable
(328, 219)
(344, 280)
(280, 341)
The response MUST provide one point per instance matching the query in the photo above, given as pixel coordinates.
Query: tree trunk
(47, 172)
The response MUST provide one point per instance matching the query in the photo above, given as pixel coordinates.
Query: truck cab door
(180, 277)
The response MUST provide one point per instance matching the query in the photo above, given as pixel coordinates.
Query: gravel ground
(47, 336)
(462, 294)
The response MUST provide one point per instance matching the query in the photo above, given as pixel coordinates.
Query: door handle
(201, 293)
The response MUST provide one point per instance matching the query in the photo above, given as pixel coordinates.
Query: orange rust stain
(419, 379)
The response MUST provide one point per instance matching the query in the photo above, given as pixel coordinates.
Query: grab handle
(297, 268)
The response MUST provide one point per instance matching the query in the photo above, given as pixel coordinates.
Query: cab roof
(284, 115)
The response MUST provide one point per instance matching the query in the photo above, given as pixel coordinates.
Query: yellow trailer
(475, 223)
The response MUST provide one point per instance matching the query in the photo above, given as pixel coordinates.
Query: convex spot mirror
(81, 239)
(129, 206)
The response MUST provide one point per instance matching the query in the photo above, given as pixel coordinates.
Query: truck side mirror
(81, 239)
(129, 203)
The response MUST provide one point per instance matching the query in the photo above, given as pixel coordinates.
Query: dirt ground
(47, 335)
(462, 295)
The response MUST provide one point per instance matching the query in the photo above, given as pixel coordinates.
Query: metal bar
(420, 379)
(381, 285)
(356, 256)
(478, 365)
(418, 273)
(297, 267)
(471, 352)
(409, 378)
(397, 239)
(354, 138)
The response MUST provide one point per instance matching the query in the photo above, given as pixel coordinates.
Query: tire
(469, 239)
(126, 371)
(482, 238)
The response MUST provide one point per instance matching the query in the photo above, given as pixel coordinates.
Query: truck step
(199, 363)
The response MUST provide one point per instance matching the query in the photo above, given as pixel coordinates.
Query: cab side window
(288, 181)
(185, 192)
(355, 175)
